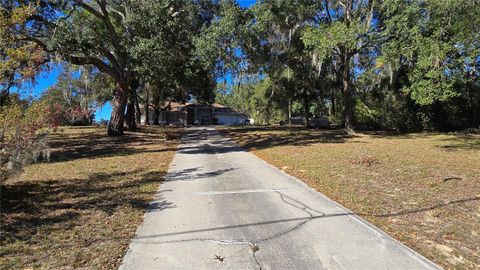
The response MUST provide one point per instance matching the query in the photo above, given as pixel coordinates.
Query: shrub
(23, 135)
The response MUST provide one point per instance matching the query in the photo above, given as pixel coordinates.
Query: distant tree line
(403, 65)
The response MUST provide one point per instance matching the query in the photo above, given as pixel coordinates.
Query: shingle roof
(177, 106)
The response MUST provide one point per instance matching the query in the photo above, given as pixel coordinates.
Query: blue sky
(48, 78)
(246, 3)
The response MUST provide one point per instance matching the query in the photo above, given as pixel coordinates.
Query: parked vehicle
(313, 122)
(297, 121)
(319, 122)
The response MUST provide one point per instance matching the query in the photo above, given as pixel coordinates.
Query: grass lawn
(423, 189)
(82, 208)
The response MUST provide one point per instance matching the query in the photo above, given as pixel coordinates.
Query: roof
(177, 106)
(167, 106)
(218, 105)
(204, 105)
(172, 106)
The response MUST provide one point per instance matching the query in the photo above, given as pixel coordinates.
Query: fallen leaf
(218, 257)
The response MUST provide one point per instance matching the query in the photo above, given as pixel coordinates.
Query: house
(196, 114)
(227, 116)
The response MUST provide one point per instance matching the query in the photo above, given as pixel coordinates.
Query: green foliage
(405, 65)
(217, 46)
(437, 40)
(21, 60)
(164, 49)
(368, 117)
(325, 40)
(253, 98)
(413, 68)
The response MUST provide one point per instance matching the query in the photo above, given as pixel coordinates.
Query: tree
(21, 59)
(423, 69)
(345, 28)
(78, 92)
(120, 41)
(85, 33)
(219, 46)
(275, 48)
(164, 51)
(251, 96)
(443, 46)
(398, 64)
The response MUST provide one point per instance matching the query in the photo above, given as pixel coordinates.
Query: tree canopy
(405, 65)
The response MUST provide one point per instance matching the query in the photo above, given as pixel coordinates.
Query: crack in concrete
(254, 245)
(255, 248)
(303, 207)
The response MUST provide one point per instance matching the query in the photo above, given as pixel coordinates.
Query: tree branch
(103, 16)
(327, 9)
(110, 28)
(87, 60)
(91, 9)
(39, 43)
(110, 57)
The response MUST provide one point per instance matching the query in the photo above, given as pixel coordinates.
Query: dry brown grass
(81, 209)
(423, 189)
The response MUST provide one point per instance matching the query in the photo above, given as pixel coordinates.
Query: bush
(23, 135)
(367, 118)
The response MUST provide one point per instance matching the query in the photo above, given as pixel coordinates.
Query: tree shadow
(259, 137)
(29, 207)
(194, 173)
(66, 147)
(454, 141)
(218, 148)
(271, 136)
(461, 142)
(303, 220)
(392, 134)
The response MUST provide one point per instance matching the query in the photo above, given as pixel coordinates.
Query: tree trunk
(146, 105)
(156, 115)
(130, 115)
(156, 109)
(289, 111)
(267, 113)
(115, 125)
(132, 93)
(347, 95)
(306, 105)
(138, 113)
(333, 110)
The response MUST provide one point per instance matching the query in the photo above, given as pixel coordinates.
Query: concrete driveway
(223, 208)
